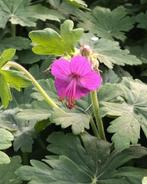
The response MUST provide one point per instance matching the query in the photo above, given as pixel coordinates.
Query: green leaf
(130, 110)
(6, 56)
(64, 9)
(126, 129)
(28, 57)
(106, 23)
(43, 13)
(25, 119)
(48, 86)
(140, 51)
(11, 79)
(18, 43)
(6, 139)
(22, 13)
(78, 121)
(49, 42)
(23, 130)
(34, 114)
(78, 3)
(109, 53)
(5, 93)
(15, 79)
(141, 20)
(86, 161)
(7, 172)
(4, 159)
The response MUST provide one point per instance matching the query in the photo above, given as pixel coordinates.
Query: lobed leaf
(22, 13)
(86, 161)
(130, 112)
(6, 139)
(106, 23)
(109, 52)
(7, 171)
(49, 42)
(78, 121)
(6, 56)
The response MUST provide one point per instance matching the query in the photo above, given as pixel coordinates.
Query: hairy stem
(96, 112)
(35, 83)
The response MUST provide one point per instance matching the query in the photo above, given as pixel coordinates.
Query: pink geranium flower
(74, 79)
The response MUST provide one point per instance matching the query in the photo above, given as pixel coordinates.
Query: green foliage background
(33, 33)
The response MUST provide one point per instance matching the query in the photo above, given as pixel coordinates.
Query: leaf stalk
(35, 83)
(96, 112)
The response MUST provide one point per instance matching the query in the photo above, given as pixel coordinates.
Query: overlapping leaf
(106, 23)
(78, 3)
(23, 13)
(66, 8)
(7, 171)
(49, 42)
(109, 52)
(6, 139)
(89, 162)
(141, 20)
(6, 56)
(9, 78)
(78, 121)
(22, 121)
(139, 50)
(130, 110)
(22, 130)
(18, 43)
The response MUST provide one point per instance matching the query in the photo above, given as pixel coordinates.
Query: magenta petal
(80, 92)
(60, 68)
(80, 65)
(61, 86)
(91, 81)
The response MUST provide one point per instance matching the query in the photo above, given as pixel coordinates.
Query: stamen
(71, 93)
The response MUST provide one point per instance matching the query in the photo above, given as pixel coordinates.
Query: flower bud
(85, 50)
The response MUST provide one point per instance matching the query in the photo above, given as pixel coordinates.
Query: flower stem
(35, 83)
(95, 106)
(94, 128)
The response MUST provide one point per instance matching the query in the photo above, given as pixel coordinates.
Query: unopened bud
(85, 50)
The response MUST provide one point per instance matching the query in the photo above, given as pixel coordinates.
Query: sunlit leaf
(6, 56)
(49, 42)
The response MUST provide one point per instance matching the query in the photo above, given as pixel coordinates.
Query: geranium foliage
(89, 163)
(73, 92)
